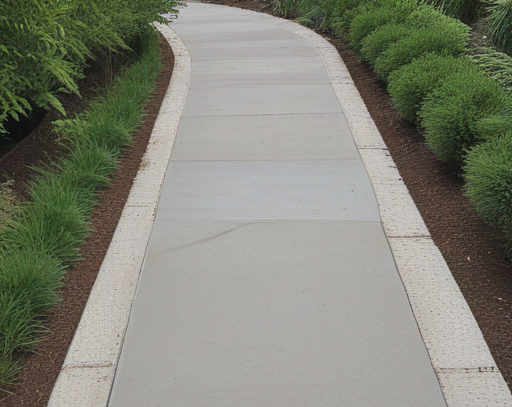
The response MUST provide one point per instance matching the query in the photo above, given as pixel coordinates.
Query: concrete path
(268, 279)
(275, 271)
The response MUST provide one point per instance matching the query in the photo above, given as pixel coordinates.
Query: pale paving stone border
(88, 372)
(461, 359)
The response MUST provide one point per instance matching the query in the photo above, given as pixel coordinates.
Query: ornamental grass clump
(410, 84)
(464, 10)
(488, 175)
(450, 113)
(497, 65)
(499, 25)
(442, 38)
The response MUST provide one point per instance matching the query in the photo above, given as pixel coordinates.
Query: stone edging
(88, 372)
(465, 368)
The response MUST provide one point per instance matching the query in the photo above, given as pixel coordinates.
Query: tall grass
(464, 10)
(38, 245)
(499, 25)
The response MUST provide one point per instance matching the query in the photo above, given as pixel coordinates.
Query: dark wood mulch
(472, 249)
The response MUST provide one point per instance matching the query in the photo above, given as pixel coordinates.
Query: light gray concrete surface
(273, 307)
(268, 279)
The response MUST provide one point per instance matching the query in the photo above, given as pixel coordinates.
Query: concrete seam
(83, 381)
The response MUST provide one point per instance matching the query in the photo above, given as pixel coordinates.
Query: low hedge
(380, 14)
(488, 175)
(450, 113)
(440, 38)
(410, 84)
(374, 44)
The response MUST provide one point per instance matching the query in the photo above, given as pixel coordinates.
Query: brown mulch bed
(473, 250)
(40, 370)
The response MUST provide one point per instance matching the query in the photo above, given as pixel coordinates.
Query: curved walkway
(284, 236)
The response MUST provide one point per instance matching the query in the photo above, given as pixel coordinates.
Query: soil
(473, 250)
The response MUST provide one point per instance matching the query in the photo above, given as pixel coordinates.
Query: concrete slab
(264, 138)
(297, 48)
(272, 314)
(254, 100)
(336, 190)
(225, 33)
(261, 71)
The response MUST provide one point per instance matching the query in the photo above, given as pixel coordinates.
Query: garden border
(88, 371)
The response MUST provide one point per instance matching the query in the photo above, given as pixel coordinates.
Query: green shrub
(410, 84)
(488, 175)
(464, 10)
(440, 38)
(499, 25)
(346, 11)
(493, 126)
(383, 13)
(450, 113)
(380, 39)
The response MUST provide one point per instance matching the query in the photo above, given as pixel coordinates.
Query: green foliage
(8, 208)
(450, 113)
(380, 39)
(291, 8)
(44, 45)
(497, 65)
(345, 12)
(464, 10)
(38, 244)
(380, 14)
(410, 84)
(28, 284)
(488, 175)
(499, 25)
(441, 38)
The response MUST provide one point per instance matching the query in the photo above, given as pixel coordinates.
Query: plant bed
(40, 370)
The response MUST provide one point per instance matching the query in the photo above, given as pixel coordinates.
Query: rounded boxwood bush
(488, 175)
(410, 84)
(450, 113)
(440, 38)
(380, 39)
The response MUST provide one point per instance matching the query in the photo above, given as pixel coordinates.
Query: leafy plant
(410, 84)
(450, 113)
(499, 25)
(488, 175)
